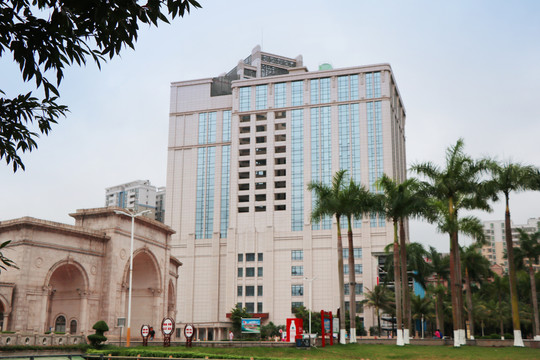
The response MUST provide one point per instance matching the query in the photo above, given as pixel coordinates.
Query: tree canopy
(46, 36)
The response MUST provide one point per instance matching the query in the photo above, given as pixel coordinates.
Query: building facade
(139, 195)
(242, 149)
(71, 276)
(495, 248)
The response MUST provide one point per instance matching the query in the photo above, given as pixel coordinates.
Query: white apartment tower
(138, 196)
(242, 148)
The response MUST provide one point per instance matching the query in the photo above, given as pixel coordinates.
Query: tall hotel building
(242, 149)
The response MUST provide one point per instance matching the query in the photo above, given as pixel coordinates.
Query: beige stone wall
(81, 272)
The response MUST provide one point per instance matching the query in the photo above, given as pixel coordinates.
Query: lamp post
(132, 215)
(310, 294)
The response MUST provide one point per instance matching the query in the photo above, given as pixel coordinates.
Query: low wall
(41, 339)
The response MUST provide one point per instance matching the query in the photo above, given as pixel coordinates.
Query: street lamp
(132, 215)
(310, 293)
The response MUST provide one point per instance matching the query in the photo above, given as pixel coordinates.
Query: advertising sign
(295, 327)
(251, 326)
(145, 331)
(188, 331)
(167, 326)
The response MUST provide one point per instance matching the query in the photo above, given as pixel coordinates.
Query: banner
(251, 326)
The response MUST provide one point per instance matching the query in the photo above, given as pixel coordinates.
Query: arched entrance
(2, 311)
(146, 288)
(65, 301)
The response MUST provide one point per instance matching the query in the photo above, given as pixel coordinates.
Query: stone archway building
(72, 276)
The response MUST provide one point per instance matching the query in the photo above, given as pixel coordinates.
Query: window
(260, 173)
(243, 163)
(280, 149)
(297, 290)
(245, 130)
(243, 152)
(260, 208)
(345, 269)
(244, 141)
(280, 95)
(297, 255)
(297, 270)
(250, 272)
(260, 162)
(250, 257)
(281, 137)
(280, 126)
(260, 271)
(260, 117)
(243, 187)
(260, 257)
(357, 253)
(250, 290)
(280, 161)
(260, 197)
(245, 118)
(280, 196)
(260, 185)
(239, 291)
(296, 304)
(260, 151)
(240, 257)
(280, 114)
(245, 98)
(243, 198)
(260, 139)
(297, 96)
(279, 207)
(250, 307)
(243, 209)
(279, 184)
(73, 326)
(358, 268)
(240, 272)
(259, 307)
(261, 96)
(243, 175)
(280, 172)
(260, 128)
(239, 305)
(359, 289)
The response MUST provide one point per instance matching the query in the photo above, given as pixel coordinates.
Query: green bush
(508, 336)
(98, 338)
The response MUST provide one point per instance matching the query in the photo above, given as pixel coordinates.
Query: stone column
(83, 326)
(46, 294)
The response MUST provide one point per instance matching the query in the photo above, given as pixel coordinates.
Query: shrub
(508, 336)
(97, 338)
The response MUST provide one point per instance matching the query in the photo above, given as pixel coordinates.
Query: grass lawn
(353, 351)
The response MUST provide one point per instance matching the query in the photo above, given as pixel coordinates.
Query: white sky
(466, 69)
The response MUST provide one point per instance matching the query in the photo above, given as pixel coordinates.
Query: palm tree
(528, 253)
(476, 268)
(330, 202)
(356, 201)
(440, 268)
(378, 298)
(456, 186)
(508, 177)
(398, 202)
(421, 309)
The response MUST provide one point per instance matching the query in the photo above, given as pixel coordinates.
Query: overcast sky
(467, 69)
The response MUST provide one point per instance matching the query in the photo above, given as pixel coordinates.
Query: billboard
(251, 326)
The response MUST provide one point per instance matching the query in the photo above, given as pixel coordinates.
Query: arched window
(60, 324)
(73, 326)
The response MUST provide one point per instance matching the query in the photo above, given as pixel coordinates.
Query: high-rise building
(138, 196)
(495, 248)
(242, 149)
